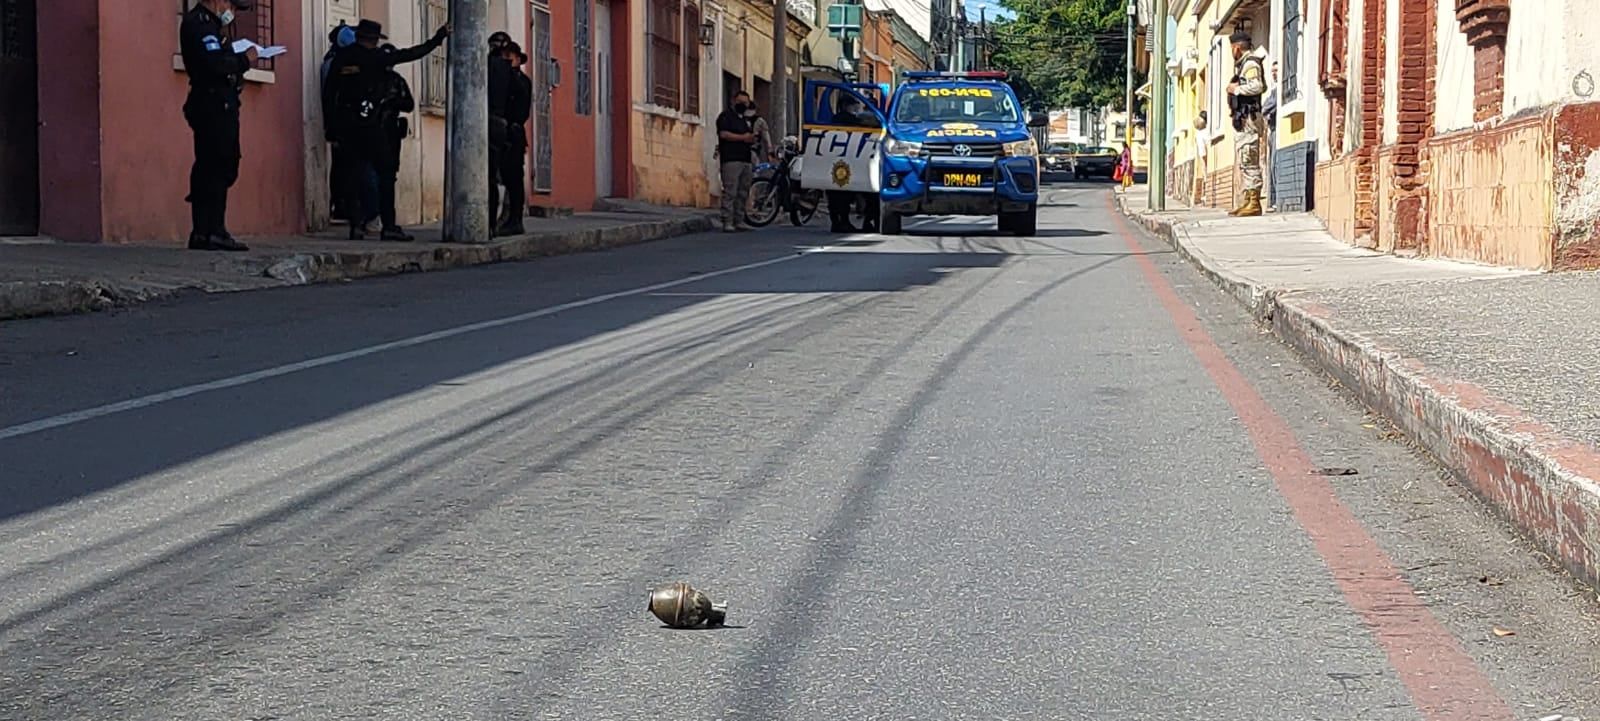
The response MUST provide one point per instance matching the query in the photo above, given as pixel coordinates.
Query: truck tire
(890, 223)
(1021, 224)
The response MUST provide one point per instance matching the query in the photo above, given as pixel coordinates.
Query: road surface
(953, 475)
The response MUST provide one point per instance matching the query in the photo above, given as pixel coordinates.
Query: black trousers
(507, 165)
(363, 151)
(214, 119)
(839, 205)
(870, 209)
(841, 202)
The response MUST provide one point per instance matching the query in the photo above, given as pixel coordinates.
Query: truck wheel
(1021, 224)
(889, 223)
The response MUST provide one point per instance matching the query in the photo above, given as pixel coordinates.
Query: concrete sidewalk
(46, 278)
(1494, 372)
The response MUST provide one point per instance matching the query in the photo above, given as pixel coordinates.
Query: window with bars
(254, 24)
(582, 22)
(691, 58)
(435, 68)
(18, 35)
(1293, 26)
(666, 53)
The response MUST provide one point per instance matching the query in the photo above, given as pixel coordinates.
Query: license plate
(963, 180)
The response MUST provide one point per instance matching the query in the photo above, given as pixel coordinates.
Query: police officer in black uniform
(216, 78)
(514, 161)
(361, 81)
(499, 125)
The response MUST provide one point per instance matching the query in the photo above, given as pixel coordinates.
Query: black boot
(396, 234)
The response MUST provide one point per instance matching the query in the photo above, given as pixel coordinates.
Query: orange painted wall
(147, 149)
(572, 135)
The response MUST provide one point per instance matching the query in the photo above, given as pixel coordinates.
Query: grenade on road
(680, 606)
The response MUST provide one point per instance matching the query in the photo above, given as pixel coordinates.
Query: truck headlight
(902, 148)
(1021, 149)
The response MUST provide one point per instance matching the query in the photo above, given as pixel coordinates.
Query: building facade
(692, 59)
(1459, 129)
(1462, 129)
(102, 152)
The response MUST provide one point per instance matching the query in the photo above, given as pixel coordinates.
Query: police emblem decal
(841, 173)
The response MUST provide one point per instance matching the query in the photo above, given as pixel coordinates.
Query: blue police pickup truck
(945, 144)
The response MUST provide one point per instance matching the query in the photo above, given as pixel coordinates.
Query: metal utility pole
(1127, 125)
(1158, 110)
(957, 30)
(982, 38)
(778, 104)
(466, 212)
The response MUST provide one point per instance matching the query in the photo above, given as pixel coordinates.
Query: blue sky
(993, 7)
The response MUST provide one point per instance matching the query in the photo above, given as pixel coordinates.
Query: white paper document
(243, 46)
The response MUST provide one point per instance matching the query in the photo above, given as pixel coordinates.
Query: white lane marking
(67, 419)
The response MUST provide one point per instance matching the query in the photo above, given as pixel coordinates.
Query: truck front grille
(979, 150)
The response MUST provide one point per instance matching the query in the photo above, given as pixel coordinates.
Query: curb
(1257, 299)
(307, 268)
(26, 299)
(1540, 481)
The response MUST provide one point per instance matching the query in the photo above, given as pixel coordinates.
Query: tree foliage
(1064, 53)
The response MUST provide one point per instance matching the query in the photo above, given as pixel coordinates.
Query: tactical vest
(1245, 107)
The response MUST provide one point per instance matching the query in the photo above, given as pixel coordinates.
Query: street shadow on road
(51, 467)
(234, 582)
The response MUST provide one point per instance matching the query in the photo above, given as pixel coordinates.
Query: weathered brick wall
(1374, 13)
(1577, 186)
(1418, 67)
(1490, 192)
(668, 168)
(1220, 188)
(1180, 182)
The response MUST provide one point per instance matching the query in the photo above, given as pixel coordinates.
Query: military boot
(1252, 205)
(1244, 202)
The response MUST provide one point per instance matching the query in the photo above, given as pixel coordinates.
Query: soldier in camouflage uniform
(1244, 100)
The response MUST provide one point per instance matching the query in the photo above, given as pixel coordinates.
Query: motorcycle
(777, 189)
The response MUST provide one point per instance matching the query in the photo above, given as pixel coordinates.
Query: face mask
(226, 17)
(741, 107)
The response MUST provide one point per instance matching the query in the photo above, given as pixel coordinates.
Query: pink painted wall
(69, 124)
(146, 147)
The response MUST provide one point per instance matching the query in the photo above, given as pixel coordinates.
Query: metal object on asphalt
(679, 605)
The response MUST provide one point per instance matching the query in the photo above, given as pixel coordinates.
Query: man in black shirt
(735, 138)
(361, 81)
(216, 77)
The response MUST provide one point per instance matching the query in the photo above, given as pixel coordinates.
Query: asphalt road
(948, 476)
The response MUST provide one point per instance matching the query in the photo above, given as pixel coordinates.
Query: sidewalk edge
(1255, 298)
(309, 268)
(1539, 481)
(29, 299)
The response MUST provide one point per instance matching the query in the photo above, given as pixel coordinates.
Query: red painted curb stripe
(1444, 682)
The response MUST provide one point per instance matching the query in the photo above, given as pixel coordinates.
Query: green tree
(1065, 53)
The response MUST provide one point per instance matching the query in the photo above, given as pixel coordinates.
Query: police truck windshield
(948, 104)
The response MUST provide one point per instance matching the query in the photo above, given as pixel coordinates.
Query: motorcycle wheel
(763, 204)
(804, 207)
